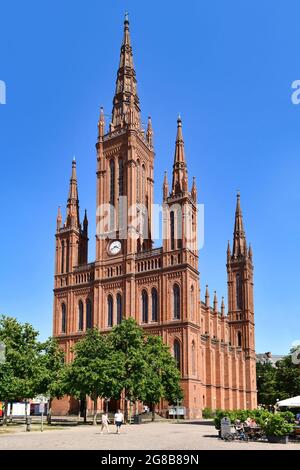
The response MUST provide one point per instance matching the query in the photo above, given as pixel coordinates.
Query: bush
(207, 413)
(276, 425)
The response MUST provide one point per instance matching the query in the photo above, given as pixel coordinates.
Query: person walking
(104, 423)
(119, 419)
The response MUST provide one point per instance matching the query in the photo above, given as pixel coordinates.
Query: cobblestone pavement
(161, 435)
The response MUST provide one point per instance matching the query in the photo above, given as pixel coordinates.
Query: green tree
(128, 340)
(266, 383)
(19, 373)
(94, 371)
(163, 377)
(287, 378)
(50, 380)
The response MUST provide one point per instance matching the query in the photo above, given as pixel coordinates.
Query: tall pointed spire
(194, 190)
(215, 302)
(207, 302)
(73, 201)
(179, 182)
(223, 307)
(239, 237)
(165, 187)
(149, 133)
(126, 105)
(58, 219)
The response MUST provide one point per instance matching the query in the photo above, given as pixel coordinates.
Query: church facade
(159, 287)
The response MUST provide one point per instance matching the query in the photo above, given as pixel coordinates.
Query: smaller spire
(85, 222)
(215, 302)
(207, 302)
(194, 190)
(58, 219)
(165, 187)
(149, 133)
(228, 252)
(250, 254)
(101, 124)
(223, 307)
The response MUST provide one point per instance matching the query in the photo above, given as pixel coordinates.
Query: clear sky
(226, 66)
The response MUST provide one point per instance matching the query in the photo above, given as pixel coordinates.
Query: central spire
(126, 105)
(179, 183)
(73, 201)
(239, 237)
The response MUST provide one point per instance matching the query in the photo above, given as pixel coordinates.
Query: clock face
(115, 247)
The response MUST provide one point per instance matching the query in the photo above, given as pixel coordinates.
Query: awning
(293, 402)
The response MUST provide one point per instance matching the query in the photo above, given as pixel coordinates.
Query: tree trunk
(95, 412)
(5, 413)
(126, 410)
(49, 414)
(79, 411)
(10, 412)
(25, 401)
(84, 410)
(153, 412)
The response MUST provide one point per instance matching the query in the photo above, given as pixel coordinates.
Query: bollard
(28, 423)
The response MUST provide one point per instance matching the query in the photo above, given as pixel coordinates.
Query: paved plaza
(160, 435)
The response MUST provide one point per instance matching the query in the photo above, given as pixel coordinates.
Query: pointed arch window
(138, 181)
(177, 353)
(144, 306)
(121, 178)
(62, 256)
(119, 309)
(110, 311)
(80, 315)
(192, 302)
(176, 302)
(239, 293)
(68, 257)
(172, 230)
(112, 192)
(193, 358)
(89, 315)
(239, 339)
(154, 298)
(143, 198)
(63, 318)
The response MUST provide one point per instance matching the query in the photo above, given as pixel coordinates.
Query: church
(159, 287)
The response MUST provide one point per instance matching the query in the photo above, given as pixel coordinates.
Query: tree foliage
(278, 383)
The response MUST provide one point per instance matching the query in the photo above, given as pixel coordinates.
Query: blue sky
(227, 67)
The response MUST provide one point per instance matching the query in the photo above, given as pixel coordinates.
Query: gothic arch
(80, 315)
(89, 314)
(110, 310)
(176, 302)
(154, 302)
(145, 306)
(119, 308)
(63, 318)
(177, 352)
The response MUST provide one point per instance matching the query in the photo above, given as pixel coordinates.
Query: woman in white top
(119, 418)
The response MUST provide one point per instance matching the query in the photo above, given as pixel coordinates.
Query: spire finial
(126, 17)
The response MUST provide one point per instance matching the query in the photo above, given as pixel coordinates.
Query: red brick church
(159, 287)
